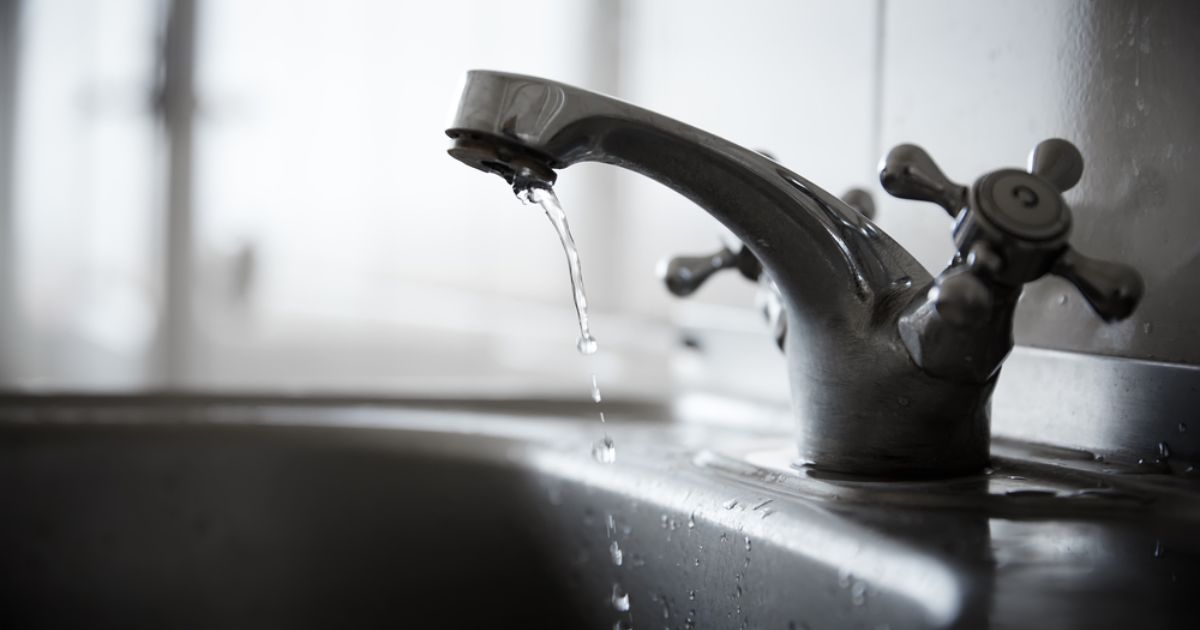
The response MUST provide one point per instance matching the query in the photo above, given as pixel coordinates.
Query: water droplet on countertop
(620, 599)
(604, 451)
(844, 577)
(858, 593)
(1062, 299)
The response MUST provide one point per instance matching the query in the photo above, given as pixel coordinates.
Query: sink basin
(163, 512)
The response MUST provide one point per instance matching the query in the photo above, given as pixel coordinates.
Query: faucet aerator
(516, 165)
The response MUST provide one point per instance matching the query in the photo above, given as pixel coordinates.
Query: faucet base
(894, 420)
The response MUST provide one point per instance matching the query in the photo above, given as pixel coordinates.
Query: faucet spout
(862, 405)
(522, 127)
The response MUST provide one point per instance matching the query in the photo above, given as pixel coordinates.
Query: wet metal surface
(219, 514)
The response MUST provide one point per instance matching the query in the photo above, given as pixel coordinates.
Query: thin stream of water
(546, 198)
(604, 450)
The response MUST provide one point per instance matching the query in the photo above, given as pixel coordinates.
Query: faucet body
(862, 404)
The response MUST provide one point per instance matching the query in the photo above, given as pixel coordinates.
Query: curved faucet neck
(829, 261)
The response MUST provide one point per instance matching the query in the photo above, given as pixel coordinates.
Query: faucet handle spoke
(1058, 162)
(684, 274)
(1112, 290)
(908, 172)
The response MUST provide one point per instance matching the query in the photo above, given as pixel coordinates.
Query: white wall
(793, 78)
(337, 246)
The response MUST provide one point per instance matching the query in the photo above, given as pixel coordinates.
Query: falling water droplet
(1164, 451)
(620, 599)
(730, 504)
(692, 520)
(614, 550)
(1147, 328)
(1159, 550)
(604, 451)
(595, 390)
(692, 595)
(747, 543)
(762, 504)
(587, 344)
(1182, 427)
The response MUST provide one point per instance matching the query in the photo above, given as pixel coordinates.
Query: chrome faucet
(891, 370)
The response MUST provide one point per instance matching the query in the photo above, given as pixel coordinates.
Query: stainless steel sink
(192, 512)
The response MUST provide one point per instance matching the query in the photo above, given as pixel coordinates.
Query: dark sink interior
(225, 526)
(131, 513)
